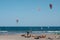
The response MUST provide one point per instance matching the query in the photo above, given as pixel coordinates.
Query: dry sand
(19, 37)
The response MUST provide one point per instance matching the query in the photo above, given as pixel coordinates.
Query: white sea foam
(3, 31)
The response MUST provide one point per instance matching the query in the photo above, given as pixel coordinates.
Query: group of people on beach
(28, 35)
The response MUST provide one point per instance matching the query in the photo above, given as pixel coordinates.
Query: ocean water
(31, 29)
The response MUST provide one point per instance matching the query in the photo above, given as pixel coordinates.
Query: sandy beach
(19, 37)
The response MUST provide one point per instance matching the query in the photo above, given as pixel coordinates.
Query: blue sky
(27, 13)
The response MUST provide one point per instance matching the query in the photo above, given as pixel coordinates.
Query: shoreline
(19, 37)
